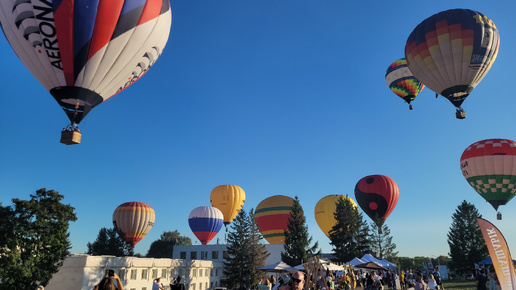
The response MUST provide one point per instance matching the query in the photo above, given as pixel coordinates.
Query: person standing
(420, 284)
(156, 285)
(481, 280)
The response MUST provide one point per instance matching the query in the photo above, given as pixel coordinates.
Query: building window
(154, 273)
(182, 255)
(193, 255)
(211, 284)
(144, 274)
(200, 274)
(216, 272)
(200, 286)
(192, 286)
(132, 289)
(194, 272)
(225, 255)
(206, 285)
(207, 273)
(214, 255)
(134, 273)
(204, 255)
(164, 273)
(121, 274)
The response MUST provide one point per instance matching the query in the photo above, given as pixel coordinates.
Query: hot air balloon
(229, 199)
(135, 219)
(402, 82)
(377, 196)
(271, 216)
(489, 166)
(205, 222)
(84, 52)
(325, 209)
(450, 52)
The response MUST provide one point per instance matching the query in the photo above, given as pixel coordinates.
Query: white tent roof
(355, 261)
(383, 263)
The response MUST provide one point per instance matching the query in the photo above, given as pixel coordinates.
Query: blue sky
(276, 96)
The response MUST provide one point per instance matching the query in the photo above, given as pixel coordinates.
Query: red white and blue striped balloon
(205, 222)
(85, 51)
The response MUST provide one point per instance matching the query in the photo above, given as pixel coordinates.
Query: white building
(200, 265)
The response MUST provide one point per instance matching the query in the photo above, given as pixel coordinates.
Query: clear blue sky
(276, 96)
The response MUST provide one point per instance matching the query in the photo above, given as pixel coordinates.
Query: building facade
(200, 266)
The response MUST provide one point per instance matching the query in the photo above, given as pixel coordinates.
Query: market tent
(488, 261)
(389, 264)
(333, 267)
(278, 267)
(371, 265)
(384, 263)
(355, 262)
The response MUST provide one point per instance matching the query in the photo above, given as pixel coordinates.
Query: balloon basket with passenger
(71, 135)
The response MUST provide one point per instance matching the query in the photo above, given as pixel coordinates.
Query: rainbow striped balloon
(135, 219)
(402, 82)
(272, 216)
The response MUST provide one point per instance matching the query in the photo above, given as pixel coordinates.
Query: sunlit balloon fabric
(135, 219)
(377, 196)
(86, 51)
(271, 216)
(450, 52)
(229, 199)
(489, 166)
(325, 209)
(402, 82)
(205, 222)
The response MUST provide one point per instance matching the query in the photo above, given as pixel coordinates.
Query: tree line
(35, 241)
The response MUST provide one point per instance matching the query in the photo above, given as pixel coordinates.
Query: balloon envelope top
(84, 52)
(135, 219)
(205, 222)
(325, 209)
(229, 199)
(272, 215)
(451, 51)
(377, 196)
(489, 166)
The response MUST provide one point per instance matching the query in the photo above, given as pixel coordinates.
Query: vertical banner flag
(500, 254)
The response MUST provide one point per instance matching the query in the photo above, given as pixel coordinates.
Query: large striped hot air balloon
(489, 166)
(205, 222)
(135, 219)
(402, 82)
(271, 216)
(229, 199)
(451, 51)
(84, 52)
(325, 209)
(377, 196)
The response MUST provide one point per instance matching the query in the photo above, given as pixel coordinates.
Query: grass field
(459, 284)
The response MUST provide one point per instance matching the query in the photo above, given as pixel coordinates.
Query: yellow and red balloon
(135, 219)
(271, 216)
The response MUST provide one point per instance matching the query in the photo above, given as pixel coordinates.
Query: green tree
(258, 251)
(236, 267)
(465, 239)
(297, 241)
(164, 247)
(382, 246)
(110, 242)
(34, 239)
(349, 237)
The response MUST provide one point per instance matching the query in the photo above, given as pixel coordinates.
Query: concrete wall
(82, 272)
